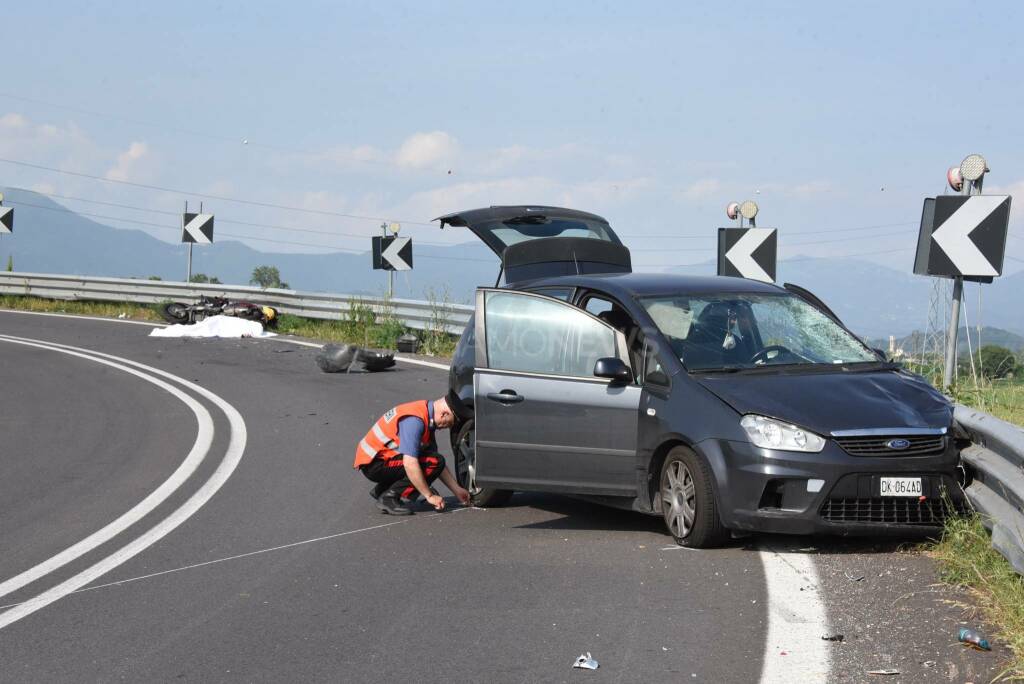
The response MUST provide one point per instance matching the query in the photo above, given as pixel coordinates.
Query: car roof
(625, 285)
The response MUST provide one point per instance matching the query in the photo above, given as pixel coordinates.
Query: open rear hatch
(540, 242)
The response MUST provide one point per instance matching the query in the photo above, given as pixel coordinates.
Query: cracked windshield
(736, 331)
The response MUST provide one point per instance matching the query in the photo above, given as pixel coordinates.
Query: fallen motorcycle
(179, 312)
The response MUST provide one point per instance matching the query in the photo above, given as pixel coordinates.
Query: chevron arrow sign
(963, 236)
(6, 220)
(392, 253)
(748, 253)
(197, 228)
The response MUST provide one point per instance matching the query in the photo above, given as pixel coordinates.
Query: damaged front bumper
(831, 492)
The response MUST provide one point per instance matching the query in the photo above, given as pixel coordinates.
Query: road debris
(833, 637)
(883, 672)
(336, 358)
(586, 662)
(854, 578)
(214, 326)
(974, 639)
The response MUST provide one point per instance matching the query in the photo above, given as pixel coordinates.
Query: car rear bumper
(830, 492)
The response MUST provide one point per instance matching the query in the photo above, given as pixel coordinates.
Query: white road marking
(233, 455)
(200, 448)
(403, 359)
(796, 620)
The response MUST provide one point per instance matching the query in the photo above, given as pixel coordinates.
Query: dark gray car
(721, 404)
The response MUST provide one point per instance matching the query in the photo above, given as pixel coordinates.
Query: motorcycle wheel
(174, 312)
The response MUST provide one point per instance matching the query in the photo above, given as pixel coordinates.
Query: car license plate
(901, 486)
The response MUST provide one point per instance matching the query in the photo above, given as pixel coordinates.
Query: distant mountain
(876, 301)
(53, 241)
(989, 336)
(873, 300)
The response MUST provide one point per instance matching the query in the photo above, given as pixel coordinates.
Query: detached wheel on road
(464, 450)
(174, 312)
(688, 501)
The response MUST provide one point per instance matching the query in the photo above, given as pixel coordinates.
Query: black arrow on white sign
(197, 228)
(963, 236)
(6, 220)
(748, 253)
(392, 253)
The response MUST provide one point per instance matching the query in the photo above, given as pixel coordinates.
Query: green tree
(155, 278)
(203, 278)
(10, 263)
(995, 361)
(267, 276)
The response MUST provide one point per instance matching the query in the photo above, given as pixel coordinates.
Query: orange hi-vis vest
(382, 439)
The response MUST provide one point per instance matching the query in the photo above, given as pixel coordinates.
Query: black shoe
(377, 491)
(388, 503)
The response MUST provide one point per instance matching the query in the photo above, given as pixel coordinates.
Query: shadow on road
(577, 514)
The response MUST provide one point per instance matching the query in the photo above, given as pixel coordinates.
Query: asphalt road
(289, 573)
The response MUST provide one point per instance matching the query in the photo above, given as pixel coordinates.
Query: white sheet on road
(215, 326)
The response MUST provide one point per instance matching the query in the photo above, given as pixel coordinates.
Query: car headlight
(769, 433)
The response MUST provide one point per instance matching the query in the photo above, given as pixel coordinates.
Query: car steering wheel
(760, 357)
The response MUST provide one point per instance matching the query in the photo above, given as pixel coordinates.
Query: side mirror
(613, 368)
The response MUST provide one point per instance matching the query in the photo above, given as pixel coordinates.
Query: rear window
(520, 229)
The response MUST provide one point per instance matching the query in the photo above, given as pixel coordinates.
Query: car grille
(891, 510)
(921, 445)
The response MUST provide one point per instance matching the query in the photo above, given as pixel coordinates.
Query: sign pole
(954, 318)
(188, 274)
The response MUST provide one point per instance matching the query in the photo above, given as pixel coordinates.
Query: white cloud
(436, 149)
(128, 162)
(703, 189)
(13, 120)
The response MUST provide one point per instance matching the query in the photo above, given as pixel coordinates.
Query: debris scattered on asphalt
(122, 315)
(974, 639)
(883, 672)
(833, 637)
(807, 549)
(283, 351)
(928, 663)
(854, 578)
(336, 358)
(586, 662)
(339, 358)
(408, 343)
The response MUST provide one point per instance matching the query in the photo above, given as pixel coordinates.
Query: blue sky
(655, 115)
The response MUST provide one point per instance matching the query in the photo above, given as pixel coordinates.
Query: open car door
(544, 421)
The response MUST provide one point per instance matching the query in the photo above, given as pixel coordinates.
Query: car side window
(536, 335)
(563, 293)
(653, 372)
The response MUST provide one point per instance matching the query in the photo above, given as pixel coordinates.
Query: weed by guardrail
(968, 560)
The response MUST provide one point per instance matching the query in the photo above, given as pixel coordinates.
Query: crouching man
(400, 454)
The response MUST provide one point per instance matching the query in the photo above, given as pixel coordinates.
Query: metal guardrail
(415, 314)
(997, 492)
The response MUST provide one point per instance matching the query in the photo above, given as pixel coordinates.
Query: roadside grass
(135, 312)
(967, 559)
(1002, 398)
(361, 325)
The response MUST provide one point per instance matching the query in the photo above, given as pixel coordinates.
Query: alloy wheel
(678, 499)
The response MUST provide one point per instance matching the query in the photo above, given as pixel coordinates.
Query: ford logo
(898, 444)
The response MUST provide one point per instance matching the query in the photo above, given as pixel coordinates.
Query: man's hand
(436, 501)
(463, 495)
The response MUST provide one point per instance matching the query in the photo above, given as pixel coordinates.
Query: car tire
(464, 451)
(689, 505)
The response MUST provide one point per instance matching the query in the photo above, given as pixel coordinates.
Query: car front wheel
(688, 502)
(464, 449)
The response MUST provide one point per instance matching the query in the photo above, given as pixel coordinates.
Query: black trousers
(389, 473)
